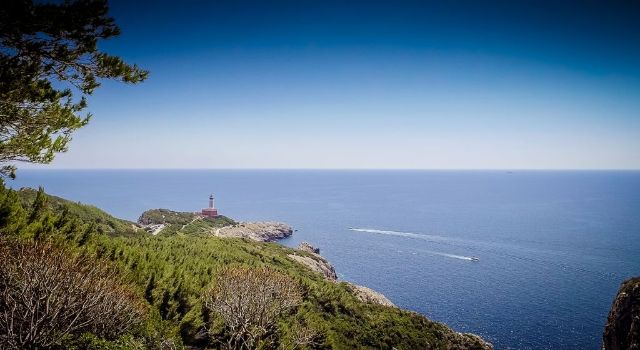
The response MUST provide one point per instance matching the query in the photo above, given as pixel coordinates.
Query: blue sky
(336, 84)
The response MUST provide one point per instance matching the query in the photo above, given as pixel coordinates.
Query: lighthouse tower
(210, 212)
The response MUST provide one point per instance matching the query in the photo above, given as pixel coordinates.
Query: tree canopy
(48, 53)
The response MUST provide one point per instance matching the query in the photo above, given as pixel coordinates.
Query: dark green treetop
(48, 52)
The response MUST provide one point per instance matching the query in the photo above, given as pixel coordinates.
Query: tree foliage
(48, 51)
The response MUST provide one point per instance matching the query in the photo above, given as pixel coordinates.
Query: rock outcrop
(471, 341)
(307, 247)
(317, 264)
(257, 231)
(622, 331)
(369, 295)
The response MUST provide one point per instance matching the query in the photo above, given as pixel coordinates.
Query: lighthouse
(211, 211)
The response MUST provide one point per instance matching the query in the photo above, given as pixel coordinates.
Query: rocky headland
(369, 295)
(314, 261)
(622, 331)
(307, 247)
(257, 231)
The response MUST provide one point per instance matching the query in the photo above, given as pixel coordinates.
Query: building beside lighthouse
(210, 212)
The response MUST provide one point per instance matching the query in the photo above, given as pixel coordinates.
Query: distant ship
(475, 258)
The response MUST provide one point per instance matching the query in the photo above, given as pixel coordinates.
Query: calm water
(553, 246)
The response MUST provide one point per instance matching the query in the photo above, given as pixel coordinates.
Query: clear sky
(350, 84)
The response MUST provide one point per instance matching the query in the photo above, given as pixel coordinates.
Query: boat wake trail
(485, 248)
(401, 234)
(461, 257)
(430, 238)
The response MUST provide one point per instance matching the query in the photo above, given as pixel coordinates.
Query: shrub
(250, 301)
(48, 294)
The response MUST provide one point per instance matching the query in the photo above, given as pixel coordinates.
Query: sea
(525, 259)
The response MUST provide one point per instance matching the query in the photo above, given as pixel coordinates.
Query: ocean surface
(553, 247)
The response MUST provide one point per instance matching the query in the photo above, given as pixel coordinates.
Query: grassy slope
(87, 213)
(183, 223)
(172, 270)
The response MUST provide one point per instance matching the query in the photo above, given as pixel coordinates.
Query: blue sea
(553, 246)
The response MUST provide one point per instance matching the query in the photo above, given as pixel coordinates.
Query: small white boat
(475, 258)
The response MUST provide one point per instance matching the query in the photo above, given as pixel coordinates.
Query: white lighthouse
(211, 202)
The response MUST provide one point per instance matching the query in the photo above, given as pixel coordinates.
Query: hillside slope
(170, 273)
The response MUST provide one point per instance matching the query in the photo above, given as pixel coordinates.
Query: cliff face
(257, 231)
(622, 331)
(369, 295)
(317, 264)
(320, 265)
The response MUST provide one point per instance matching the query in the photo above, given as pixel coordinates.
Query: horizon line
(344, 169)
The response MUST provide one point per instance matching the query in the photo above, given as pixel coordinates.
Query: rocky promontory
(257, 231)
(369, 295)
(307, 247)
(622, 331)
(315, 262)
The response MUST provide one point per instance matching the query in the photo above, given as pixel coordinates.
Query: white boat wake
(417, 236)
(461, 257)
(401, 234)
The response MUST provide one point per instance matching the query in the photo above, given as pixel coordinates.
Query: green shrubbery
(170, 273)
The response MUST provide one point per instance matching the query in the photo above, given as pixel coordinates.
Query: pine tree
(48, 51)
(148, 291)
(13, 217)
(165, 305)
(38, 206)
(86, 234)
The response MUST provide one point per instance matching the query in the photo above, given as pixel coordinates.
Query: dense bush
(250, 302)
(48, 294)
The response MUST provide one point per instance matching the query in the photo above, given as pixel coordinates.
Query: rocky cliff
(369, 295)
(257, 231)
(622, 331)
(307, 247)
(319, 264)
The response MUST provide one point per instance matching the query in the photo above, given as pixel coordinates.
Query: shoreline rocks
(316, 264)
(307, 247)
(369, 295)
(473, 341)
(257, 231)
(319, 264)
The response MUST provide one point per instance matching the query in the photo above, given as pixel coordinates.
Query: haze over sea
(553, 246)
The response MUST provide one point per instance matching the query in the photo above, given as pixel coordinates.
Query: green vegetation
(170, 274)
(183, 223)
(165, 216)
(104, 223)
